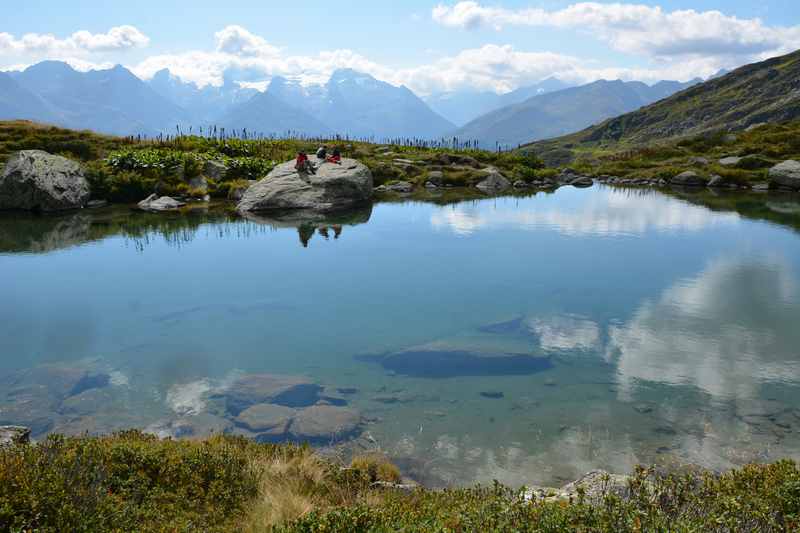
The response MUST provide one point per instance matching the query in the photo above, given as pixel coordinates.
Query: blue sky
(429, 46)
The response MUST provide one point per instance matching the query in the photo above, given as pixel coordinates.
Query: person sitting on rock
(322, 152)
(303, 165)
(336, 157)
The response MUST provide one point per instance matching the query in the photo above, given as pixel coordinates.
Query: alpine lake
(526, 339)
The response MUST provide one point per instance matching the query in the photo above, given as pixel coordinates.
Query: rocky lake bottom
(526, 339)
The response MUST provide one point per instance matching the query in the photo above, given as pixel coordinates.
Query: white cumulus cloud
(636, 28)
(79, 43)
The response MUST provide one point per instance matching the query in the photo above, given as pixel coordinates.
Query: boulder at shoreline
(333, 187)
(37, 181)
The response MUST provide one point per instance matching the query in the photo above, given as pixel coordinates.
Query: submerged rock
(436, 362)
(265, 418)
(494, 395)
(37, 181)
(322, 424)
(334, 186)
(253, 389)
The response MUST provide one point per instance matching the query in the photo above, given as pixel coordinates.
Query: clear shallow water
(670, 330)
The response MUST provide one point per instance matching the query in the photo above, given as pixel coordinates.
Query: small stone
(730, 161)
(492, 394)
(643, 408)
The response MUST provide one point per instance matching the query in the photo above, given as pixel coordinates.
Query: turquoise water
(668, 332)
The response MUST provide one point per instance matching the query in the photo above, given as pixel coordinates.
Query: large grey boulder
(215, 170)
(37, 181)
(494, 183)
(333, 187)
(689, 178)
(786, 174)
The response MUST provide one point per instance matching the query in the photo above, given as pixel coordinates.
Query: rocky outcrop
(786, 174)
(494, 183)
(156, 204)
(215, 170)
(332, 187)
(37, 181)
(689, 178)
(400, 186)
(594, 486)
(13, 435)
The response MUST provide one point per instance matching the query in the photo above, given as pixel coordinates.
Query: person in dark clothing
(322, 152)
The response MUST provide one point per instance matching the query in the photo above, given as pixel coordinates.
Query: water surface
(665, 326)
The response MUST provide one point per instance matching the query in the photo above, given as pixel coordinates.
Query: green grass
(127, 170)
(134, 482)
(760, 149)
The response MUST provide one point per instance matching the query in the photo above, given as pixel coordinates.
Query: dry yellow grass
(294, 482)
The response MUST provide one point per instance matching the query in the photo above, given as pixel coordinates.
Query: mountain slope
(560, 112)
(265, 114)
(204, 105)
(768, 91)
(356, 104)
(110, 101)
(460, 107)
(17, 102)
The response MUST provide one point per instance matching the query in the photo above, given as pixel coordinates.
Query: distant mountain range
(768, 91)
(555, 113)
(463, 106)
(350, 103)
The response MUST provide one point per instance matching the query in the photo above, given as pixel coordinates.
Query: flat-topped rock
(155, 204)
(322, 424)
(266, 418)
(253, 389)
(332, 187)
(37, 181)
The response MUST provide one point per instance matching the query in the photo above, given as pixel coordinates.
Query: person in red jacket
(302, 164)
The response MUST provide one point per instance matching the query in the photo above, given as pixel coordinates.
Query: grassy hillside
(758, 150)
(765, 92)
(134, 482)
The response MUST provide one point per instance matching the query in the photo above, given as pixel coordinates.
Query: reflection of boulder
(307, 222)
(726, 332)
(332, 187)
(39, 234)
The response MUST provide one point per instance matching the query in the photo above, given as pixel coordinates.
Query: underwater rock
(436, 362)
(252, 389)
(268, 419)
(492, 394)
(322, 424)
